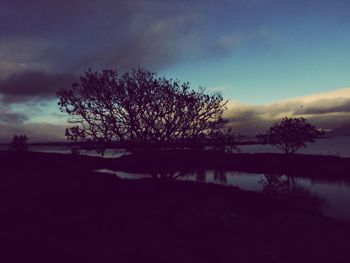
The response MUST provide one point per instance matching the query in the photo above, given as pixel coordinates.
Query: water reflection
(277, 185)
(220, 177)
(201, 176)
(287, 187)
(167, 175)
(336, 193)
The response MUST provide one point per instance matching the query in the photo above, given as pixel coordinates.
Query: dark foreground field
(54, 209)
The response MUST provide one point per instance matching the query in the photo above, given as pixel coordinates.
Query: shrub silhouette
(290, 134)
(19, 143)
(139, 109)
(225, 140)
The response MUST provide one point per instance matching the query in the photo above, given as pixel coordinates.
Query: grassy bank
(54, 209)
(317, 166)
(303, 165)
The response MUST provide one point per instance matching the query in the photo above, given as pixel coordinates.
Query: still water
(339, 146)
(109, 153)
(334, 195)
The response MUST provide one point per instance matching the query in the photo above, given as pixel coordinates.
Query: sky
(269, 58)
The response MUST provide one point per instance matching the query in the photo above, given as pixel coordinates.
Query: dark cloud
(80, 34)
(42, 42)
(31, 86)
(74, 35)
(327, 106)
(8, 117)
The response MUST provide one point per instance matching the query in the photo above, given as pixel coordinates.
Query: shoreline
(299, 165)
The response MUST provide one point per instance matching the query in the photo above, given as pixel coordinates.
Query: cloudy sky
(270, 58)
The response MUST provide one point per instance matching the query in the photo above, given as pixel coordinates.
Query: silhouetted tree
(225, 140)
(139, 109)
(19, 143)
(290, 134)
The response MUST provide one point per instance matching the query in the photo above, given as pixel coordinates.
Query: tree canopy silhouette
(139, 108)
(290, 134)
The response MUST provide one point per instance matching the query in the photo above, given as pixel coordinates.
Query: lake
(334, 195)
(339, 146)
(109, 153)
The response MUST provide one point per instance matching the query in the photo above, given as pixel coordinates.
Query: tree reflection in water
(286, 187)
(167, 175)
(220, 177)
(277, 185)
(201, 176)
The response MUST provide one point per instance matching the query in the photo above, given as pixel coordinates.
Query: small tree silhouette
(225, 140)
(290, 134)
(19, 143)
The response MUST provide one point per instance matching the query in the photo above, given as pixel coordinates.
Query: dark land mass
(55, 209)
(299, 165)
(118, 146)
